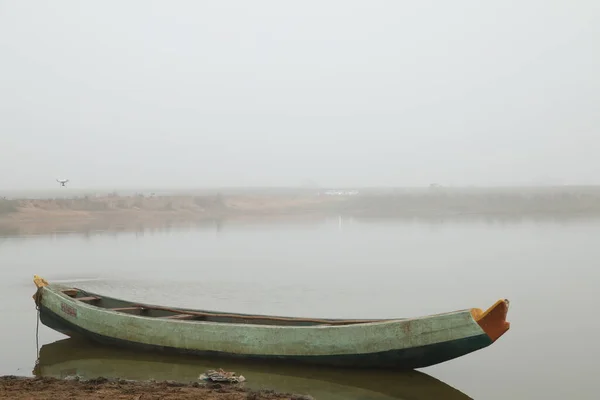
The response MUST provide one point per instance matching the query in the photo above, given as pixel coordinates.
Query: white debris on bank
(221, 376)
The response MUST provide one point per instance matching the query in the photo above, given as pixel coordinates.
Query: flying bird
(62, 181)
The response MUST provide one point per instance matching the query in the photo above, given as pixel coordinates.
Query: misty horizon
(177, 95)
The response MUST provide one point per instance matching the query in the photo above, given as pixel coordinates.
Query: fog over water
(429, 109)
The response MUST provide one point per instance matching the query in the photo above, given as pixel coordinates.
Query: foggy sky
(278, 93)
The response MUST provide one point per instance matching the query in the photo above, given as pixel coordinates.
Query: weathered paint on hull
(410, 358)
(390, 343)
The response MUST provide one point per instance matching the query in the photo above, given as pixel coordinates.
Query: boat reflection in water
(70, 357)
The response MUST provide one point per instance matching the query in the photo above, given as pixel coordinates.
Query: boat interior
(180, 314)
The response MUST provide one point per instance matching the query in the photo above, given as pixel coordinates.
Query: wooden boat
(404, 343)
(74, 357)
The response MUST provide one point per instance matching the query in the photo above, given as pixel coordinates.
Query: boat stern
(493, 320)
(47, 317)
(39, 284)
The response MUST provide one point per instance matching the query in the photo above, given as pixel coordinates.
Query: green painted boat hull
(414, 357)
(391, 343)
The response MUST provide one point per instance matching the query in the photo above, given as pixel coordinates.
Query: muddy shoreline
(21, 388)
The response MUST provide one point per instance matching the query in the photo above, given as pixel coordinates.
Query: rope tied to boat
(40, 283)
(37, 336)
(37, 298)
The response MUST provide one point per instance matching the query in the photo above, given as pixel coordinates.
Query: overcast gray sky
(245, 93)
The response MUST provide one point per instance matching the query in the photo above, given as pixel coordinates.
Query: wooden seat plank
(126, 308)
(179, 316)
(89, 298)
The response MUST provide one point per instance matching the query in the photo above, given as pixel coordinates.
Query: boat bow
(493, 320)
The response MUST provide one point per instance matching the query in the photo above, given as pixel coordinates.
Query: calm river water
(336, 268)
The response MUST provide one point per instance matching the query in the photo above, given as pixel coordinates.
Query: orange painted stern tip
(39, 281)
(493, 320)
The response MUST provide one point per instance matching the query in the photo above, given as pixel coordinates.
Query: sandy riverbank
(21, 388)
(113, 212)
(91, 213)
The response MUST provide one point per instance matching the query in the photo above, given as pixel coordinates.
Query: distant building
(341, 192)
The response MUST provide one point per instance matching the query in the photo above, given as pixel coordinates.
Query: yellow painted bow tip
(39, 281)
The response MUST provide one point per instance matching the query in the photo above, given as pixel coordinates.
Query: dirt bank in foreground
(21, 388)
